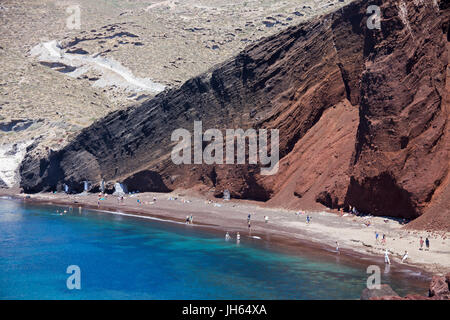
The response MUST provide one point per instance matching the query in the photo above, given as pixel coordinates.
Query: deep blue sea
(123, 257)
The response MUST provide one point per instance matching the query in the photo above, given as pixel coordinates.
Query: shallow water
(131, 258)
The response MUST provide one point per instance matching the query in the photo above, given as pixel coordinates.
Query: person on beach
(386, 257)
(187, 219)
(337, 247)
(266, 219)
(238, 237)
(248, 218)
(405, 256)
(427, 243)
(249, 225)
(383, 241)
(227, 236)
(376, 236)
(191, 219)
(421, 243)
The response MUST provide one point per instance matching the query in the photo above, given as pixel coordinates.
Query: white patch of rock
(113, 73)
(11, 155)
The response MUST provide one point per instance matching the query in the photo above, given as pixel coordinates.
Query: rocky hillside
(60, 73)
(362, 114)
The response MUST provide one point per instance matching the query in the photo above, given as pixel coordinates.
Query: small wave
(138, 216)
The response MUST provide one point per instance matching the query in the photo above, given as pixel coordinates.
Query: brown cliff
(362, 114)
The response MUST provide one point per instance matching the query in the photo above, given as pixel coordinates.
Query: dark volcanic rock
(3, 184)
(145, 181)
(362, 114)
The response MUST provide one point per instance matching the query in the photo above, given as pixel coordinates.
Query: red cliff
(362, 113)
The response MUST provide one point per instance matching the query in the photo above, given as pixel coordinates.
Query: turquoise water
(133, 258)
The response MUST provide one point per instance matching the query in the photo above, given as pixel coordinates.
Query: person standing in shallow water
(405, 256)
(386, 257)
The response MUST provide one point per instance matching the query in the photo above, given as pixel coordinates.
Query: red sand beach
(284, 229)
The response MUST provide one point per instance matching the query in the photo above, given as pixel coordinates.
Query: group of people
(299, 213)
(189, 219)
(228, 237)
(427, 243)
(405, 255)
(383, 239)
(388, 261)
(249, 217)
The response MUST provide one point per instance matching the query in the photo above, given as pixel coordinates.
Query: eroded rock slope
(362, 114)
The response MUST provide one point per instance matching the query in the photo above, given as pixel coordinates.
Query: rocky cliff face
(362, 114)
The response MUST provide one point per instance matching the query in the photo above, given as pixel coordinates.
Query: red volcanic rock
(363, 117)
(440, 288)
(401, 156)
(408, 297)
(384, 293)
(315, 171)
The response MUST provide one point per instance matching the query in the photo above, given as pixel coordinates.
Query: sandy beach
(284, 227)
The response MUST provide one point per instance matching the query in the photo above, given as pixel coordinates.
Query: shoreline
(285, 231)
